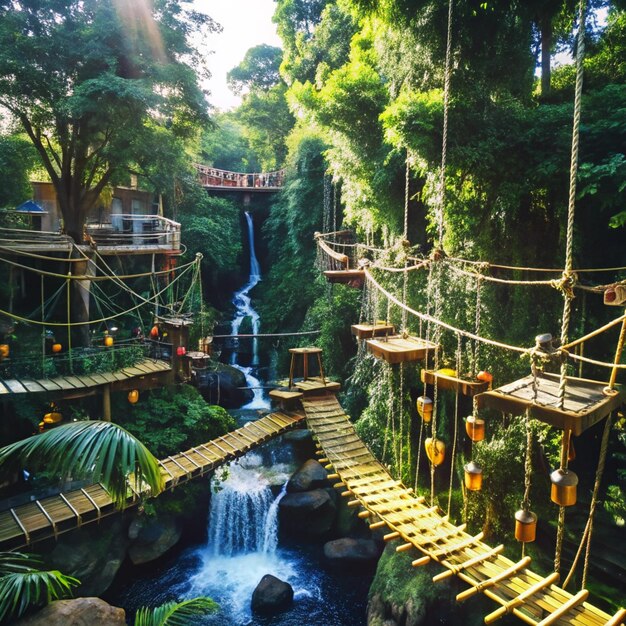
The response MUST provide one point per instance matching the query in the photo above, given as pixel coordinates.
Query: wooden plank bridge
(387, 503)
(43, 519)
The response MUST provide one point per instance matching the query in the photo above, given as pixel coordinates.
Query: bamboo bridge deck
(43, 519)
(532, 598)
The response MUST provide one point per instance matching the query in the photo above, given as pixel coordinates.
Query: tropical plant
(175, 613)
(104, 451)
(22, 586)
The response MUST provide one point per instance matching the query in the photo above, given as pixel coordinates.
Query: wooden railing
(135, 230)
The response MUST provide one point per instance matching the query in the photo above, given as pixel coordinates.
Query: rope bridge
(42, 519)
(388, 503)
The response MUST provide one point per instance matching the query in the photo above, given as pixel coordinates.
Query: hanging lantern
(133, 396)
(447, 371)
(4, 350)
(484, 376)
(425, 408)
(564, 483)
(525, 526)
(56, 348)
(154, 332)
(108, 341)
(181, 351)
(54, 417)
(435, 450)
(473, 476)
(475, 428)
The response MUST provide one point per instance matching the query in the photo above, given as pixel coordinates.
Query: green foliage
(226, 146)
(90, 108)
(23, 586)
(102, 451)
(175, 613)
(172, 419)
(258, 71)
(17, 158)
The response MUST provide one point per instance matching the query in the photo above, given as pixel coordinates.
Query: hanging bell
(484, 376)
(425, 408)
(108, 341)
(475, 428)
(525, 526)
(473, 476)
(4, 350)
(435, 450)
(133, 396)
(564, 483)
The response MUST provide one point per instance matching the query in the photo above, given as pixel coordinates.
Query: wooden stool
(305, 362)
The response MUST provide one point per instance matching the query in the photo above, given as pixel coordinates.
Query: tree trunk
(79, 299)
(546, 45)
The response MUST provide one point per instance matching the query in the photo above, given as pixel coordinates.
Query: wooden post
(106, 403)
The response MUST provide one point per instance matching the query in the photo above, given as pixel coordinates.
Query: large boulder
(78, 612)
(226, 386)
(311, 475)
(271, 596)
(152, 537)
(310, 513)
(301, 441)
(93, 554)
(347, 552)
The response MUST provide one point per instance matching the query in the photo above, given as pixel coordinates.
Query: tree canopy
(92, 81)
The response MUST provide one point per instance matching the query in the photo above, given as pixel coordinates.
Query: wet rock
(152, 537)
(93, 554)
(302, 443)
(226, 386)
(310, 513)
(271, 596)
(348, 552)
(311, 475)
(78, 612)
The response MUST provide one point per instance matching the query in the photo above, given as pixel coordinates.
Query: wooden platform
(585, 402)
(312, 385)
(65, 384)
(285, 398)
(459, 385)
(400, 349)
(46, 518)
(353, 278)
(387, 502)
(367, 331)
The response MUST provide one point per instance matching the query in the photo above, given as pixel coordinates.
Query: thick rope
(456, 425)
(444, 146)
(569, 246)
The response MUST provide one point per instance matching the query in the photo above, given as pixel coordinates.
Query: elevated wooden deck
(586, 401)
(80, 384)
(387, 502)
(42, 519)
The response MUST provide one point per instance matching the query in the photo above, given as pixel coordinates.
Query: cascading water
(244, 309)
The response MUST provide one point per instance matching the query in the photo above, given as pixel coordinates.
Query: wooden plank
(74, 380)
(452, 383)
(367, 331)
(3, 388)
(585, 402)
(49, 384)
(32, 386)
(400, 349)
(14, 386)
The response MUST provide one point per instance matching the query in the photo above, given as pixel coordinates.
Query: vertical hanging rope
(334, 207)
(476, 351)
(568, 276)
(68, 282)
(401, 414)
(456, 422)
(444, 146)
(43, 330)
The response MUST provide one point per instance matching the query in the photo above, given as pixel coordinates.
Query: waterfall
(243, 308)
(244, 514)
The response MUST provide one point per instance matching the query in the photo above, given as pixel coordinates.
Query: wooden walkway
(146, 367)
(388, 503)
(46, 518)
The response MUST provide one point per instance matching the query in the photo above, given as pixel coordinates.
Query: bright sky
(245, 23)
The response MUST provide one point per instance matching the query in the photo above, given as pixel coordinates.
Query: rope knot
(566, 284)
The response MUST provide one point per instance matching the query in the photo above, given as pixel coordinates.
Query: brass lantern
(525, 526)
(133, 396)
(473, 476)
(475, 428)
(435, 450)
(425, 408)
(108, 341)
(564, 483)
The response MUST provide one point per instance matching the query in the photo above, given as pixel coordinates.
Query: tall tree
(88, 80)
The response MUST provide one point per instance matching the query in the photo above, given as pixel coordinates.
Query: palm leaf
(21, 590)
(11, 562)
(175, 613)
(101, 450)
